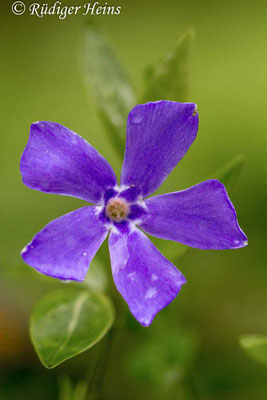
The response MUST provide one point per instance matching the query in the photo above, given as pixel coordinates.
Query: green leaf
(67, 322)
(170, 78)
(107, 82)
(255, 346)
(229, 174)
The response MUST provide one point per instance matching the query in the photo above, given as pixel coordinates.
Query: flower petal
(67, 245)
(158, 136)
(144, 277)
(57, 160)
(202, 216)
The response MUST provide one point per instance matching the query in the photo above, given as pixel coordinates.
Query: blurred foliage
(255, 346)
(229, 173)
(169, 79)
(68, 391)
(163, 358)
(67, 322)
(107, 80)
(96, 279)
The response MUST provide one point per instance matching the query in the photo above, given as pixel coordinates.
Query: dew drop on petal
(152, 291)
(132, 276)
(136, 118)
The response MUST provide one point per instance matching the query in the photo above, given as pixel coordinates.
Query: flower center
(117, 209)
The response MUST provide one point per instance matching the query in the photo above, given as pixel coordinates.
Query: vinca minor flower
(57, 160)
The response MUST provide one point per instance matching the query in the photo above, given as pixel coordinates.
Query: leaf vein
(73, 322)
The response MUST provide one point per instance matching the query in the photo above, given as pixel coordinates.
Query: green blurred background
(226, 292)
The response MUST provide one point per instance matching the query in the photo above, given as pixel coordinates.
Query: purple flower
(57, 160)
